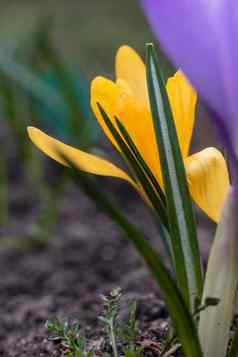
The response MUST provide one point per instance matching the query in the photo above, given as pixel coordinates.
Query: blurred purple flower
(201, 37)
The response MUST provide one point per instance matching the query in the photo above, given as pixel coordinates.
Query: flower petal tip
(32, 132)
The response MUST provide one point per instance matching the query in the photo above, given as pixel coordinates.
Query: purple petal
(201, 37)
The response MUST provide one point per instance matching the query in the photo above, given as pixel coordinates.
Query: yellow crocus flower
(127, 99)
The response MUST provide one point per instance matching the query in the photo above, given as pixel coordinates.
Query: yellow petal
(131, 68)
(109, 96)
(133, 114)
(183, 100)
(86, 162)
(123, 85)
(208, 180)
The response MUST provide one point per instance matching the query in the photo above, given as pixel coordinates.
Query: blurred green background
(85, 32)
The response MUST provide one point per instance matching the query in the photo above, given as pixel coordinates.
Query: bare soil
(87, 257)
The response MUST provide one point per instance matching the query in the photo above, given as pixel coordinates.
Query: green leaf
(179, 206)
(11, 102)
(140, 160)
(143, 174)
(138, 171)
(31, 83)
(181, 318)
(150, 176)
(234, 346)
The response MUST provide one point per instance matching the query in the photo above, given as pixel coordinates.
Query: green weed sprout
(119, 336)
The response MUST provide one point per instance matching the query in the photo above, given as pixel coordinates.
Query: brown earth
(87, 256)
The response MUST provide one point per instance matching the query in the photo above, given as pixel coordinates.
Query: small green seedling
(67, 335)
(119, 336)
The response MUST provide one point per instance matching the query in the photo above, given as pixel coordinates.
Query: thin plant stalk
(4, 190)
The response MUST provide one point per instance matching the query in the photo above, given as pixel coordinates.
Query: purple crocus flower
(201, 38)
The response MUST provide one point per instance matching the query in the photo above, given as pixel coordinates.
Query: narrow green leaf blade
(136, 167)
(182, 320)
(182, 225)
(31, 83)
(140, 159)
(143, 174)
(234, 346)
(164, 232)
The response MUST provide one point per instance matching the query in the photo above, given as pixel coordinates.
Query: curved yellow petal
(131, 68)
(208, 180)
(110, 97)
(183, 100)
(133, 114)
(84, 161)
